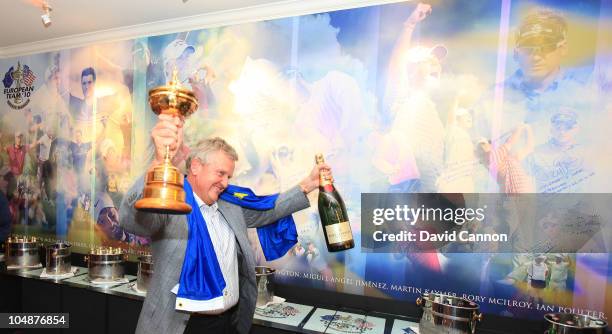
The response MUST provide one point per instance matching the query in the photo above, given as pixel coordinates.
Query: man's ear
(194, 167)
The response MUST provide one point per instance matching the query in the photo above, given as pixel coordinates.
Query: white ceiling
(80, 22)
(21, 22)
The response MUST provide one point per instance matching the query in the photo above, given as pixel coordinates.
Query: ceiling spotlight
(46, 16)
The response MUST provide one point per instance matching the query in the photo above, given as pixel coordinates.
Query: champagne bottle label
(339, 232)
(325, 182)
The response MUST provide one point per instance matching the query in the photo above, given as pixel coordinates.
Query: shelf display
(22, 252)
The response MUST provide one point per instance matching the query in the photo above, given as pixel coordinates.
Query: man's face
(88, 86)
(483, 152)
(112, 159)
(465, 121)
(485, 146)
(434, 68)
(212, 177)
(538, 61)
(78, 137)
(564, 133)
(54, 81)
(427, 73)
(18, 140)
(108, 222)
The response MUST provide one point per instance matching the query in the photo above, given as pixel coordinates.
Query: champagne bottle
(336, 226)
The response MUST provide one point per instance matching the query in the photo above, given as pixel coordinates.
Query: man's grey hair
(211, 145)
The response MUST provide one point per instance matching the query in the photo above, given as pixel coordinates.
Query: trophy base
(163, 206)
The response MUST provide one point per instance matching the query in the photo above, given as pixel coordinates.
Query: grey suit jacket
(169, 241)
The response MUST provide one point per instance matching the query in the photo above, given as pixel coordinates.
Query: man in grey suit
(209, 166)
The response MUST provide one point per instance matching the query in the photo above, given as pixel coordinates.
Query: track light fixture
(46, 16)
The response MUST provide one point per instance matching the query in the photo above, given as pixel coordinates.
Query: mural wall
(455, 96)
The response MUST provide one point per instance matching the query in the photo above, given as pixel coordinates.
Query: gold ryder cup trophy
(163, 192)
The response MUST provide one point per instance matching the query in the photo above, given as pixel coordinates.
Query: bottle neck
(325, 183)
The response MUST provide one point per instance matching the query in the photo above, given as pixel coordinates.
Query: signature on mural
(567, 167)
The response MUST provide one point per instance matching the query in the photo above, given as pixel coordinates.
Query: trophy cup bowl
(163, 192)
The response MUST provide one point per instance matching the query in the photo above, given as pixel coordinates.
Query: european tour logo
(18, 86)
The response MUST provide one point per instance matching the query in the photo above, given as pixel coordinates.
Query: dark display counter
(114, 309)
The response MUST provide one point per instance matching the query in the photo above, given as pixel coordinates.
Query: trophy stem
(167, 155)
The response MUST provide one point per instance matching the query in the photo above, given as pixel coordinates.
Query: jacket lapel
(232, 215)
